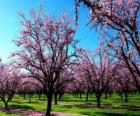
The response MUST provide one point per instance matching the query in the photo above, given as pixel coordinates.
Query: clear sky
(10, 22)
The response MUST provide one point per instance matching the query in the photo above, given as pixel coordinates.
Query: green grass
(111, 106)
(7, 114)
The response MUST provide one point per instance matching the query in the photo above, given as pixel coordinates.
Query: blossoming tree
(9, 81)
(120, 18)
(47, 47)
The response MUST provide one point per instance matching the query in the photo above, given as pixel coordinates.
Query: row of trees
(96, 73)
(49, 60)
(100, 74)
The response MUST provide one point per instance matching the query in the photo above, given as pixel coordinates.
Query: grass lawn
(113, 106)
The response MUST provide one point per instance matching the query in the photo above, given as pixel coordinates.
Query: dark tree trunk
(98, 100)
(10, 97)
(55, 96)
(126, 96)
(39, 95)
(60, 95)
(30, 96)
(24, 95)
(121, 95)
(77, 95)
(87, 96)
(106, 95)
(80, 95)
(6, 105)
(49, 104)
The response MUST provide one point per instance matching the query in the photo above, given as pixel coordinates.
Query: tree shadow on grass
(22, 110)
(27, 102)
(86, 105)
(104, 106)
(131, 107)
(111, 114)
(21, 107)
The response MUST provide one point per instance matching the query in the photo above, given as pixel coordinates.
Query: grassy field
(113, 106)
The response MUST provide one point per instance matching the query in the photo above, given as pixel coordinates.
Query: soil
(27, 112)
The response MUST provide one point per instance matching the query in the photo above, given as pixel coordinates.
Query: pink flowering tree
(29, 87)
(76, 87)
(123, 80)
(9, 81)
(60, 86)
(83, 80)
(47, 47)
(126, 54)
(121, 18)
(98, 70)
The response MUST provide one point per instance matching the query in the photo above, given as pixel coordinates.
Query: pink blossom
(69, 39)
(102, 42)
(25, 31)
(27, 23)
(79, 50)
(122, 37)
(63, 41)
(138, 43)
(119, 2)
(97, 51)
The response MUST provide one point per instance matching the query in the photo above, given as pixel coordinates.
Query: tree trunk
(24, 95)
(10, 97)
(77, 95)
(80, 95)
(87, 96)
(126, 96)
(121, 96)
(49, 104)
(98, 101)
(55, 96)
(106, 95)
(30, 96)
(39, 95)
(6, 105)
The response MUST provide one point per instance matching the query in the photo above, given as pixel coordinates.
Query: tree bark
(55, 96)
(98, 101)
(106, 95)
(30, 96)
(10, 97)
(126, 96)
(80, 95)
(24, 95)
(49, 103)
(39, 96)
(87, 96)
(6, 105)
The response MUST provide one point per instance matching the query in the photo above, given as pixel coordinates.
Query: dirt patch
(27, 112)
(107, 106)
(53, 114)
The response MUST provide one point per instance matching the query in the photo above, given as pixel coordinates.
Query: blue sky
(10, 22)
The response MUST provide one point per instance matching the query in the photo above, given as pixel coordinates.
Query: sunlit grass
(111, 106)
(7, 114)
